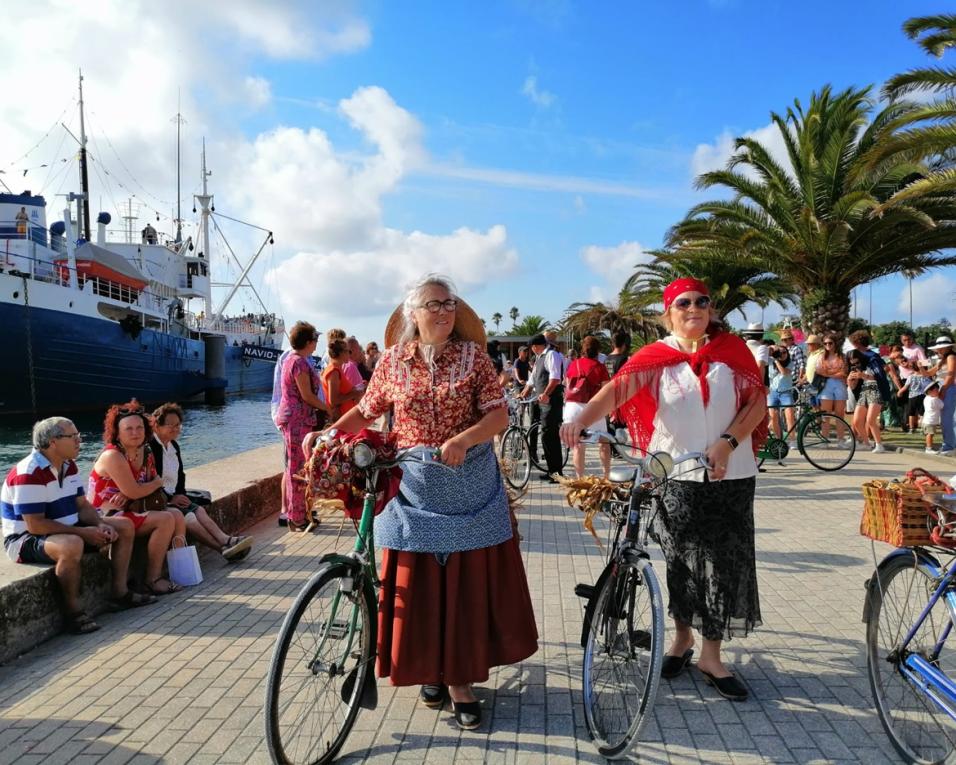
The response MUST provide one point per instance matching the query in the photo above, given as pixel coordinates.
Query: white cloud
(539, 97)
(933, 298)
(615, 264)
(714, 156)
(258, 92)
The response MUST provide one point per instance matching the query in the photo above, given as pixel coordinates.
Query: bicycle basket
(898, 513)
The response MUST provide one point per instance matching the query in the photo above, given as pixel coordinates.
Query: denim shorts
(781, 398)
(834, 390)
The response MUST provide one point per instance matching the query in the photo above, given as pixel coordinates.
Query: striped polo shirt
(33, 487)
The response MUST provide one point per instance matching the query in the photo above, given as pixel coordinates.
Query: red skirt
(449, 624)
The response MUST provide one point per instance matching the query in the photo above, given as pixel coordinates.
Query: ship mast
(178, 119)
(84, 177)
(205, 200)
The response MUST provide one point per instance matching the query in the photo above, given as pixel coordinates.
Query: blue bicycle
(909, 613)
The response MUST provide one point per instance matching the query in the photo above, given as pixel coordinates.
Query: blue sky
(532, 149)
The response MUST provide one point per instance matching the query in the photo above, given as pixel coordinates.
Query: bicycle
(909, 611)
(321, 671)
(623, 630)
(516, 450)
(824, 439)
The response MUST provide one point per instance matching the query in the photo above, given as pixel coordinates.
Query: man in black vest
(549, 407)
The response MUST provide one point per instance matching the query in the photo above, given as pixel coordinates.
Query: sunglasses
(828, 342)
(128, 410)
(682, 304)
(434, 306)
(74, 436)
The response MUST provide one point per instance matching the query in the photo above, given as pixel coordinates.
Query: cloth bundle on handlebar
(334, 481)
(444, 510)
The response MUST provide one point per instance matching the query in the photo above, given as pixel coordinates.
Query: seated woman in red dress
(125, 471)
(455, 599)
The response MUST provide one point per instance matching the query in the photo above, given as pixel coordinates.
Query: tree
(819, 224)
(626, 314)
(496, 320)
(733, 279)
(514, 313)
(889, 333)
(530, 325)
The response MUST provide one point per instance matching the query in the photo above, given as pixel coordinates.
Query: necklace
(694, 343)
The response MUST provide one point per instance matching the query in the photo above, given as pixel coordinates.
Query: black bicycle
(521, 445)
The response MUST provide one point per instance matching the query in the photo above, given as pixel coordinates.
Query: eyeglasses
(434, 306)
(74, 436)
(126, 411)
(683, 304)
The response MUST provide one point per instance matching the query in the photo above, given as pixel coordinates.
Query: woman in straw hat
(699, 390)
(945, 371)
(455, 598)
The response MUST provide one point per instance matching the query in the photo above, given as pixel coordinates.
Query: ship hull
(58, 362)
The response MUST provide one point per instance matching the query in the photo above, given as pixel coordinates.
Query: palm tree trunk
(826, 311)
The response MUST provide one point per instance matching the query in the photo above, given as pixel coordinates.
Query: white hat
(755, 328)
(941, 342)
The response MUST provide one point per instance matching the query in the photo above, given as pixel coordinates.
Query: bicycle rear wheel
(322, 657)
(622, 657)
(537, 454)
(822, 440)
(515, 459)
(919, 729)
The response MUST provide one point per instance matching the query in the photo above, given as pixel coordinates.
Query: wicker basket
(896, 511)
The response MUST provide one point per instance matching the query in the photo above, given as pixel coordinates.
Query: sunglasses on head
(127, 410)
(683, 304)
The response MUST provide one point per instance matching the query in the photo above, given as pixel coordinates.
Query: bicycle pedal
(337, 630)
(641, 639)
(584, 590)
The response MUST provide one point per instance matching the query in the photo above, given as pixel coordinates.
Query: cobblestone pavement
(183, 680)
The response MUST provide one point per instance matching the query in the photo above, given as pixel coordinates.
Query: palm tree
(925, 131)
(626, 314)
(496, 320)
(733, 279)
(818, 225)
(530, 325)
(514, 313)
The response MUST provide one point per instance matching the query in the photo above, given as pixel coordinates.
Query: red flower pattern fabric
(432, 405)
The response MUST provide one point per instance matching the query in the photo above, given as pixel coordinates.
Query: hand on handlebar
(570, 433)
(718, 455)
(453, 452)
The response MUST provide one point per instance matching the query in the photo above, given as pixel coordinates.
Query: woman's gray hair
(413, 299)
(46, 431)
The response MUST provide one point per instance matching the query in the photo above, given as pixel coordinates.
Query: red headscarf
(639, 410)
(680, 286)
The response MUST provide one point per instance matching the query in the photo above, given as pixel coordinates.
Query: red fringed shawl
(640, 409)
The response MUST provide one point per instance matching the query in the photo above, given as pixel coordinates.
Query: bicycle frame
(915, 667)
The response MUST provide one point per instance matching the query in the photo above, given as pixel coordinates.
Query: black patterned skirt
(706, 532)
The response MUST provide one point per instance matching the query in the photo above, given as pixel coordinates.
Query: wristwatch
(734, 443)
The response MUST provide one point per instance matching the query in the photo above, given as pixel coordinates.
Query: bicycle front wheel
(322, 657)
(826, 441)
(919, 728)
(622, 657)
(537, 453)
(515, 459)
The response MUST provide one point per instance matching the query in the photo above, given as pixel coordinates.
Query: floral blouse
(432, 405)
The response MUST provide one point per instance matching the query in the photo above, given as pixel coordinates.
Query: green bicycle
(322, 670)
(823, 438)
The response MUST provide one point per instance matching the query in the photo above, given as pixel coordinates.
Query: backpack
(580, 389)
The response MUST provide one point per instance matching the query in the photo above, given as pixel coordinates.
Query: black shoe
(433, 696)
(467, 714)
(546, 478)
(728, 687)
(283, 521)
(674, 665)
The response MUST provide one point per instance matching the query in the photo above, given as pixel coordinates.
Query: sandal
(80, 623)
(235, 547)
(169, 589)
(129, 600)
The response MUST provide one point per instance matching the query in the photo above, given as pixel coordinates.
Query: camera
(775, 352)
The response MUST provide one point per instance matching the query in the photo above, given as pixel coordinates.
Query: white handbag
(183, 563)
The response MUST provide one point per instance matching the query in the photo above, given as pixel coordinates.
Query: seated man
(167, 425)
(46, 519)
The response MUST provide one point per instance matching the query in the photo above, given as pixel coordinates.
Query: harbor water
(209, 433)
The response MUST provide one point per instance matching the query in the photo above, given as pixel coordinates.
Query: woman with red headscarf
(697, 390)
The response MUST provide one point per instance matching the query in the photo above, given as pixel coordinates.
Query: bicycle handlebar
(645, 460)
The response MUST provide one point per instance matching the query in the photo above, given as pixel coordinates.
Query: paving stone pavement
(183, 680)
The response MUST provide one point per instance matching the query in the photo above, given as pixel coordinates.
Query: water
(209, 433)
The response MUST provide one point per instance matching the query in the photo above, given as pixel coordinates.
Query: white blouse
(682, 423)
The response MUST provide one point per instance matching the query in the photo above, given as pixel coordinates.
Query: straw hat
(941, 342)
(467, 325)
(813, 340)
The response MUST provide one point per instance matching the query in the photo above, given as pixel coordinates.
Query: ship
(130, 314)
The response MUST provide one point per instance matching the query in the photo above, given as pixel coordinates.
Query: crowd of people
(135, 491)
